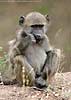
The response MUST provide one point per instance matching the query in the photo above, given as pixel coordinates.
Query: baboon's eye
(24, 35)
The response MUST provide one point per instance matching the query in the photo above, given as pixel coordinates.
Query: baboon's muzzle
(39, 36)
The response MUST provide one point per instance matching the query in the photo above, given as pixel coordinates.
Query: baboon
(38, 58)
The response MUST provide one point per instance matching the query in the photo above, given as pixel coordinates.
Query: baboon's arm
(46, 44)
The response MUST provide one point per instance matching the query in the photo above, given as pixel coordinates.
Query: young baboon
(37, 57)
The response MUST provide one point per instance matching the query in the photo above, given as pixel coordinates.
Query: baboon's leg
(23, 69)
(18, 72)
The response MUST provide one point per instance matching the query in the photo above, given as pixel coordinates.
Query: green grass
(3, 59)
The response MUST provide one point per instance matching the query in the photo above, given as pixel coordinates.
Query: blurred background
(59, 31)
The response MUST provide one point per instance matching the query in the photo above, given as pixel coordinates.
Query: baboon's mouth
(38, 38)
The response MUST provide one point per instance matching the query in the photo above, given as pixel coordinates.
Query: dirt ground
(59, 89)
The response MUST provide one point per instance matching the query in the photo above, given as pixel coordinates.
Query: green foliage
(67, 48)
(3, 60)
(42, 9)
(1, 49)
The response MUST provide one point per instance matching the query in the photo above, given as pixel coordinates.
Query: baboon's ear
(47, 17)
(21, 20)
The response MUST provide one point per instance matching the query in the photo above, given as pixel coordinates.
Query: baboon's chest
(36, 56)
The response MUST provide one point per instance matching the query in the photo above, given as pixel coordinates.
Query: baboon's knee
(53, 61)
(22, 70)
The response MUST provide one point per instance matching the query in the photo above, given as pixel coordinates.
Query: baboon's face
(38, 32)
(35, 24)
